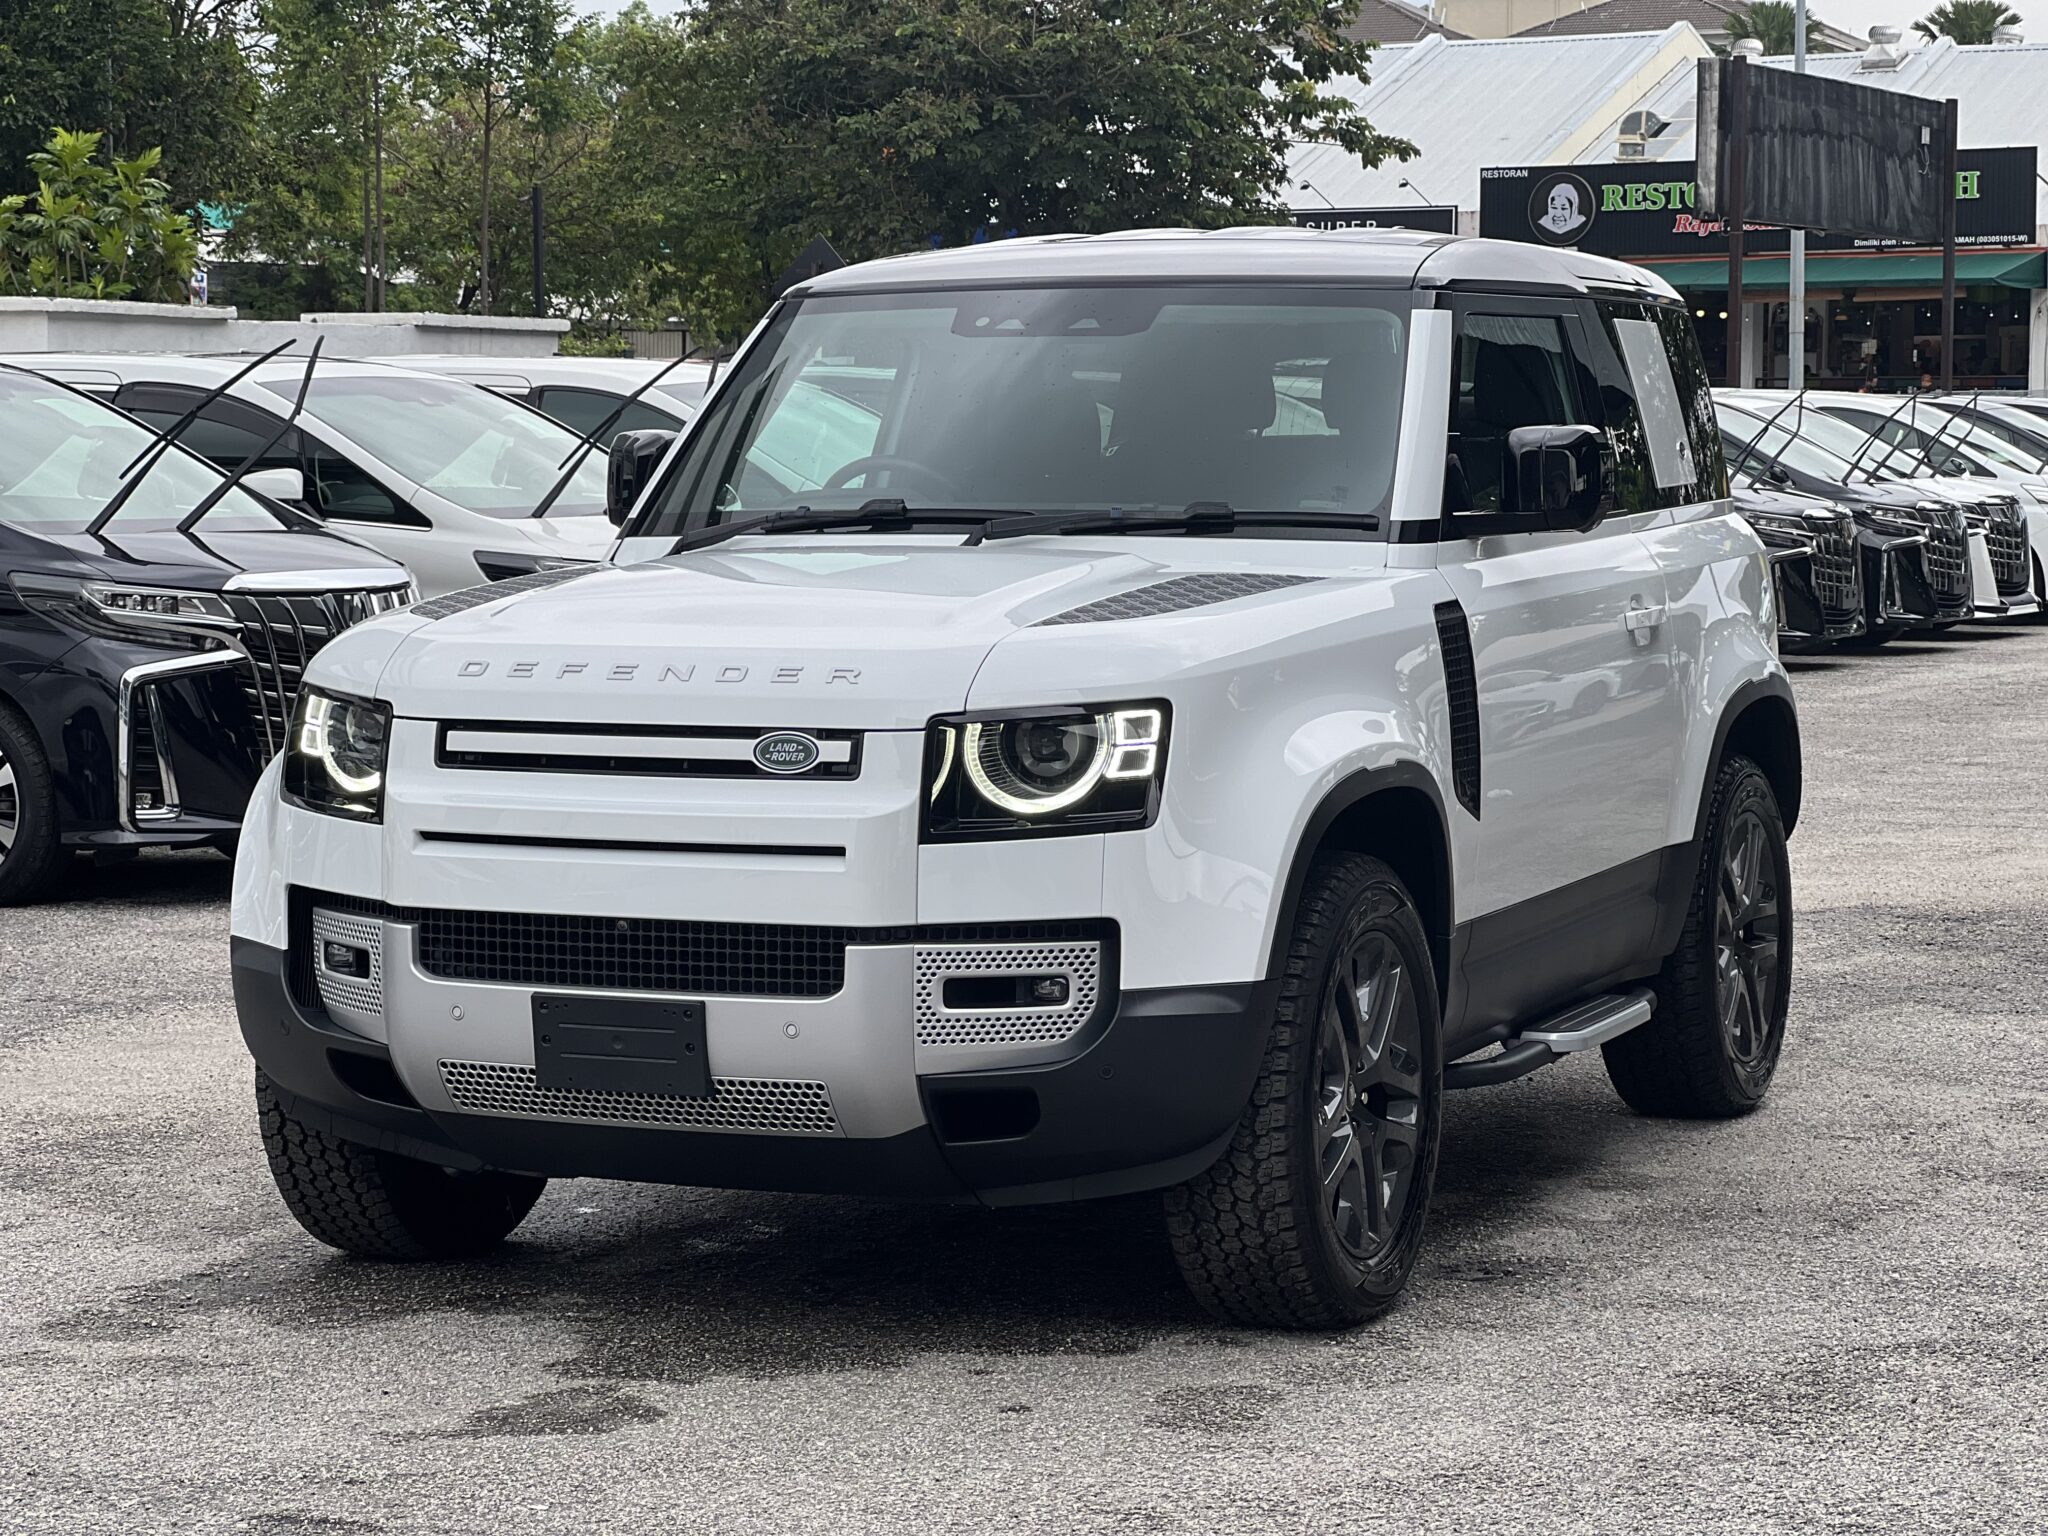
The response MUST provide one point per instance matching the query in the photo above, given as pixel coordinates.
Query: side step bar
(1579, 1027)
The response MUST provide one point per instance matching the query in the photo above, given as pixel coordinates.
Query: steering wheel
(868, 463)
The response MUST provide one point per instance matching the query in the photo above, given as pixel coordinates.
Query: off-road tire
(1681, 1063)
(379, 1205)
(1254, 1235)
(32, 863)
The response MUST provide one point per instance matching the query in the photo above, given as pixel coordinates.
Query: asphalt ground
(1826, 1317)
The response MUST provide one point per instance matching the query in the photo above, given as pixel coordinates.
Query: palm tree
(1774, 23)
(1967, 21)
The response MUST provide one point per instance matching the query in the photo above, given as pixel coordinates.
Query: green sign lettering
(1966, 185)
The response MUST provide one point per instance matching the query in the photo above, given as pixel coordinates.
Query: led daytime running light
(316, 740)
(983, 755)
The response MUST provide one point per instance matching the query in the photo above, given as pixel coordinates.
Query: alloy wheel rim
(1368, 1085)
(1748, 938)
(10, 807)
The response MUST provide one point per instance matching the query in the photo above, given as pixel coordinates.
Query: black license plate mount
(620, 1045)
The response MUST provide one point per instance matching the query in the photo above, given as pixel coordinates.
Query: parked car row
(179, 536)
(1884, 519)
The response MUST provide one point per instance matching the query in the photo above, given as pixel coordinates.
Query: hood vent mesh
(1176, 594)
(450, 603)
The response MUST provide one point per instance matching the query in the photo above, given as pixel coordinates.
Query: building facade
(1606, 129)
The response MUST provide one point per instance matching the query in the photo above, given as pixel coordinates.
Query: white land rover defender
(1069, 717)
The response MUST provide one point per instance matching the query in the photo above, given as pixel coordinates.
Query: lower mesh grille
(736, 1103)
(633, 954)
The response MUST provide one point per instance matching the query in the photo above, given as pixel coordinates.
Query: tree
(1775, 24)
(93, 230)
(494, 61)
(141, 72)
(1967, 21)
(752, 126)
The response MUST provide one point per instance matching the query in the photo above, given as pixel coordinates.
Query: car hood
(208, 560)
(877, 635)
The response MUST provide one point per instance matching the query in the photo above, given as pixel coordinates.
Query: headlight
(503, 565)
(1045, 772)
(153, 615)
(334, 755)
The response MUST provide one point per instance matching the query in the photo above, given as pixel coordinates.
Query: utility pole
(1795, 318)
(540, 282)
(1736, 212)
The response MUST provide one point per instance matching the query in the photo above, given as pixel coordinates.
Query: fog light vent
(1005, 994)
(348, 967)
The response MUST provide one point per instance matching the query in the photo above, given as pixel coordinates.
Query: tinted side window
(339, 488)
(224, 432)
(585, 410)
(1659, 412)
(1513, 371)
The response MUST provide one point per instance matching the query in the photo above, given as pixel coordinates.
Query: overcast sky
(1857, 16)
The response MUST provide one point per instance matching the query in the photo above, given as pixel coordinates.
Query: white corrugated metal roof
(1470, 103)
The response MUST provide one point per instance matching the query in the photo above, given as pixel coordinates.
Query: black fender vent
(1176, 594)
(451, 603)
(1461, 691)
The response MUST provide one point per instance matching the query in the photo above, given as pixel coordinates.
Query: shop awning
(1921, 269)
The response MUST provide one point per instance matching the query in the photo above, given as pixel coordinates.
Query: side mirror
(1559, 475)
(278, 484)
(635, 457)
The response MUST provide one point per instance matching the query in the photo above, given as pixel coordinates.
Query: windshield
(61, 457)
(1057, 401)
(470, 445)
(2026, 436)
(1777, 442)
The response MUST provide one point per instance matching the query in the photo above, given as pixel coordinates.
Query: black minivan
(154, 622)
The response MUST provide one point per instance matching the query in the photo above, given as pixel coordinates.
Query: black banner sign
(1442, 221)
(1653, 209)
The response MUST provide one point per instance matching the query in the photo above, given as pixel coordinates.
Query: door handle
(1642, 620)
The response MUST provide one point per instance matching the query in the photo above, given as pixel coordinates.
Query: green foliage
(591, 343)
(1967, 21)
(1775, 24)
(143, 72)
(94, 230)
(889, 125)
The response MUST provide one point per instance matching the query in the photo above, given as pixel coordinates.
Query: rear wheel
(379, 1205)
(1712, 1046)
(1313, 1216)
(31, 852)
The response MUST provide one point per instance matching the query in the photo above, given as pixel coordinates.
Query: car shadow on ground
(645, 1284)
(185, 877)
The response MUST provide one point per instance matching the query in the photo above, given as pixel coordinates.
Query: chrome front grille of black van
(281, 632)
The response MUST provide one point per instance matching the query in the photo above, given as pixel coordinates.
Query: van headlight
(335, 753)
(1046, 772)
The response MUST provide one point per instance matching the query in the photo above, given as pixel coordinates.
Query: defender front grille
(688, 752)
(736, 1103)
(281, 632)
(937, 1024)
(635, 954)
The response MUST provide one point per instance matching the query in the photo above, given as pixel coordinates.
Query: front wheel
(379, 1205)
(31, 851)
(1313, 1216)
(1712, 1046)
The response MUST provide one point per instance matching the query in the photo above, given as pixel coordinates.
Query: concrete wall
(93, 325)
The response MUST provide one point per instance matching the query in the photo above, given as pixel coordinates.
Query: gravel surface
(1827, 1317)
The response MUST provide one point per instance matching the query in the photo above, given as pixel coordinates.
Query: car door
(1578, 721)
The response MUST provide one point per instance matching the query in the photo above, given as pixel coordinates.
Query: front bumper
(1144, 1097)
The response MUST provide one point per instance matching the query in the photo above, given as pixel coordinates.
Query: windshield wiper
(1196, 517)
(234, 476)
(156, 450)
(573, 459)
(881, 513)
